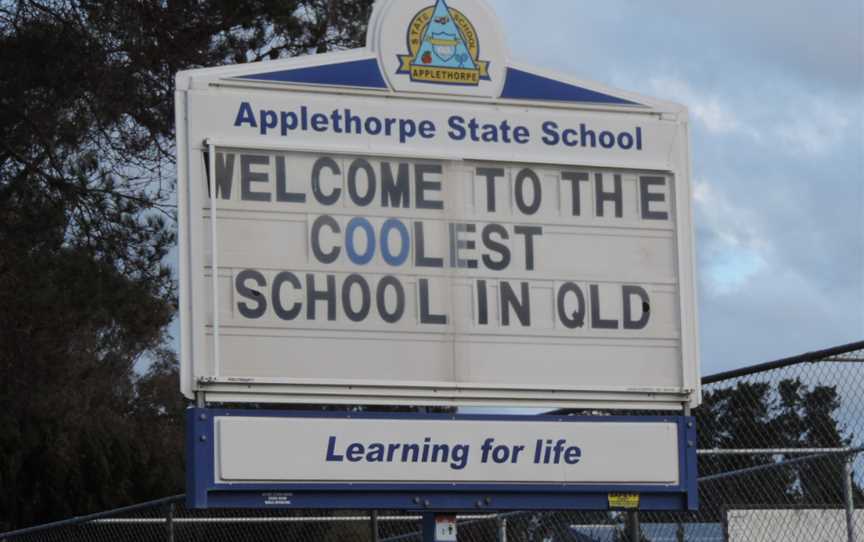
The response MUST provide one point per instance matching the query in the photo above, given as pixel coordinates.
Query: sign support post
(374, 525)
(428, 527)
(635, 531)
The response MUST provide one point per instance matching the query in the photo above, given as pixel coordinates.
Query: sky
(775, 90)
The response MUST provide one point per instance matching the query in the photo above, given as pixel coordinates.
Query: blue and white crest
(444, 45)
(444, 48)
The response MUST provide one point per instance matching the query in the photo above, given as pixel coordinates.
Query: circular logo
(443, 48)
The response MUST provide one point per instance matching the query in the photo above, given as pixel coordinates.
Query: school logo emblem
(443, 47)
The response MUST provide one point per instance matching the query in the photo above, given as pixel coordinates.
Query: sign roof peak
(450, 48)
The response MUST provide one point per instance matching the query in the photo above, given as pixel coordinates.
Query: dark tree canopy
(762, 415)
(90, 413)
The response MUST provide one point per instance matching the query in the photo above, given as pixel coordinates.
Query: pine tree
(86, 222)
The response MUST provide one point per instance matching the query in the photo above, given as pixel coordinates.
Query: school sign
(425, 222)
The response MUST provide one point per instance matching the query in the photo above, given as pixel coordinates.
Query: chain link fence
(779, 460)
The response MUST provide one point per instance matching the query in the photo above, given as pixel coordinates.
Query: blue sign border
(203, 492)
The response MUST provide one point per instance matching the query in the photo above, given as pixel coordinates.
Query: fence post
(374, 526)
(169, 522)
(428, 527)
(635, 533)
(502, 529)
(849, 493)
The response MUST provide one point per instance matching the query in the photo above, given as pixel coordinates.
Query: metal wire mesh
(780, 460)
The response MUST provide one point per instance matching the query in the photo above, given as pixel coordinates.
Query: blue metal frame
(203, 492)
(522, 85)
(364, 73)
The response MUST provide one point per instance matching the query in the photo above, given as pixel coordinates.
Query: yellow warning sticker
(625, 501)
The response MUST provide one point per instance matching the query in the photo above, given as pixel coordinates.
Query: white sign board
(424, 222)
(253, 450)
(438, 463)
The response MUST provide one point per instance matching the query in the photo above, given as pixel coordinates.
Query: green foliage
(86, 224)
(759, 415)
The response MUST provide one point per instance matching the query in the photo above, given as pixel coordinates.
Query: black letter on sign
(381, 298)
(422, 185)
(577, 178)
(495, 246)
(529, 232)
(629, 292)
(282, 193)
(396, 193)
(247, 177)
(521, 306)
(352, 183)
(313, 295)
(645, 184)
(365, 298)
(320, 164)
(420, 259)
(253, 295)
(616, 196)
(320, 255)
(425, 317)
(596, 321)
(524, 208)
(224, 174)
(280, 311)
(482, 304)
(577, 319)
(490, 174)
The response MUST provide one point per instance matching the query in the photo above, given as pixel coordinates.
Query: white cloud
(815, 126)
(733, 249)
(802, 123)
(717, 116)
